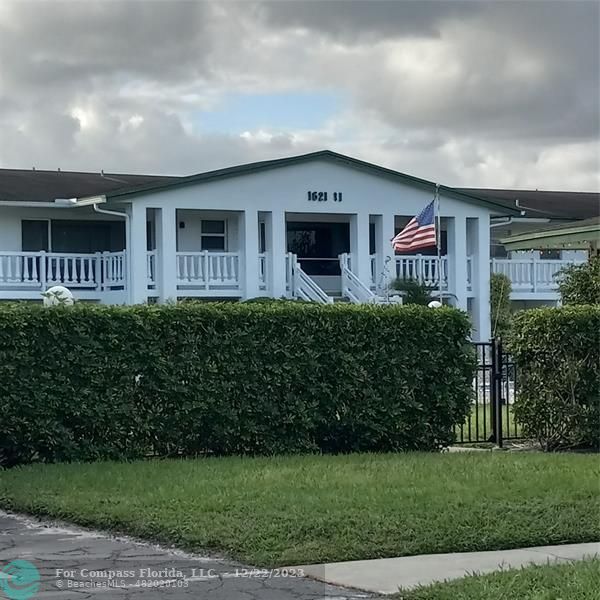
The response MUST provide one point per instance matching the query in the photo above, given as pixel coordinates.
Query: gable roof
(545, 204)
(342, 159)
(28, 185)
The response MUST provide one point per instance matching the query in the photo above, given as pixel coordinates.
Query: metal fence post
(497, 392)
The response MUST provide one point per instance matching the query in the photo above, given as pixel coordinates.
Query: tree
(500, 289)
(580, 284)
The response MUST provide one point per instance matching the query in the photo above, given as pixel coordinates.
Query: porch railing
(531, 274)
(39, 270)
(208, 269)
(352, 287)
(262, 271)
(151, 268)
(426, 269)
(302, 286)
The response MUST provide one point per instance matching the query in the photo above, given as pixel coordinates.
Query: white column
(138, 291)
(166, 247)
(457, 260)
(480, 274)
(276, 251)
(359, 246)
(249, 249)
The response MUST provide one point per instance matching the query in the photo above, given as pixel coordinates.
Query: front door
(318, 245)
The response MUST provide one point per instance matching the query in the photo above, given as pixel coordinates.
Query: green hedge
(558, 355)
(91, 382)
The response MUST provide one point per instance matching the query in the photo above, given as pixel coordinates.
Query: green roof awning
(581, 235)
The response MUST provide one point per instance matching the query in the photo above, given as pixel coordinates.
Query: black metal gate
(495, 388)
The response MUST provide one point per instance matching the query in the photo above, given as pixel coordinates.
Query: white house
(316, 226)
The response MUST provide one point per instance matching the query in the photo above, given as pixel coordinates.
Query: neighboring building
(532, 269)
(579, 235)
(314, 226)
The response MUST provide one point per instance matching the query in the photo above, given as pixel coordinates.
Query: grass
(306, 509)
(481, 420)
(574, 581)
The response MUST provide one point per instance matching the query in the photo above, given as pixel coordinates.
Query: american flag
(419, 233)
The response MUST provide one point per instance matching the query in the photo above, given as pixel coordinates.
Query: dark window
(150, 235)
(262, 237)
(213, 242)
(372, 249)
(34, 236)
(213, 227)
(318, 245)
(212, 235)
(550, 254)
(88, 236)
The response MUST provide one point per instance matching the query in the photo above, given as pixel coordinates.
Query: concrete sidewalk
(389, 575)
(70, 563)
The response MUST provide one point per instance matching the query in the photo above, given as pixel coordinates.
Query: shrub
(414, 291)
(558, 354)
(500, 290)
(92, 382)
(580, 284)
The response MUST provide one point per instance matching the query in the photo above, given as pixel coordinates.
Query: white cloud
(465, 93)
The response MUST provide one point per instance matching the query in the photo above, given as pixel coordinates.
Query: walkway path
(75, 563)
(387, 575)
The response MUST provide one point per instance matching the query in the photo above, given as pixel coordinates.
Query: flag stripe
(420, 232)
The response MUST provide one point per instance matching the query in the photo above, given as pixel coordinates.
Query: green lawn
(295, 510)
(577, 581)
(481, 420)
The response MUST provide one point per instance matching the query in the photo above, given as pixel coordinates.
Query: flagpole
(438, 239)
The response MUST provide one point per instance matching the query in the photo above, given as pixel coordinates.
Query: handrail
(352, 287)
(305, 287)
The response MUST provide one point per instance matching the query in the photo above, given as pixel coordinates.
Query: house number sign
(323, 197)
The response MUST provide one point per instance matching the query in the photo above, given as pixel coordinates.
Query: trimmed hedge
(91, 382)
(558, 354)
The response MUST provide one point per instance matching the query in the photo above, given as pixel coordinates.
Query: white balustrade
(425, 269)
(469, 273)
(352, 287)
(531, 275)
(262, 271)
(220, 271)
(114, 266)
(373, 261)
(289, 274)
(38, 270)
(302, 286)
(151, 268)
(208, 269)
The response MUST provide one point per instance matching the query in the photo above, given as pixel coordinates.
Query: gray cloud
(470, 93)
(366, 20)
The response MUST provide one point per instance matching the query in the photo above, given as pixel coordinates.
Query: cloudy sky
(495, 94)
